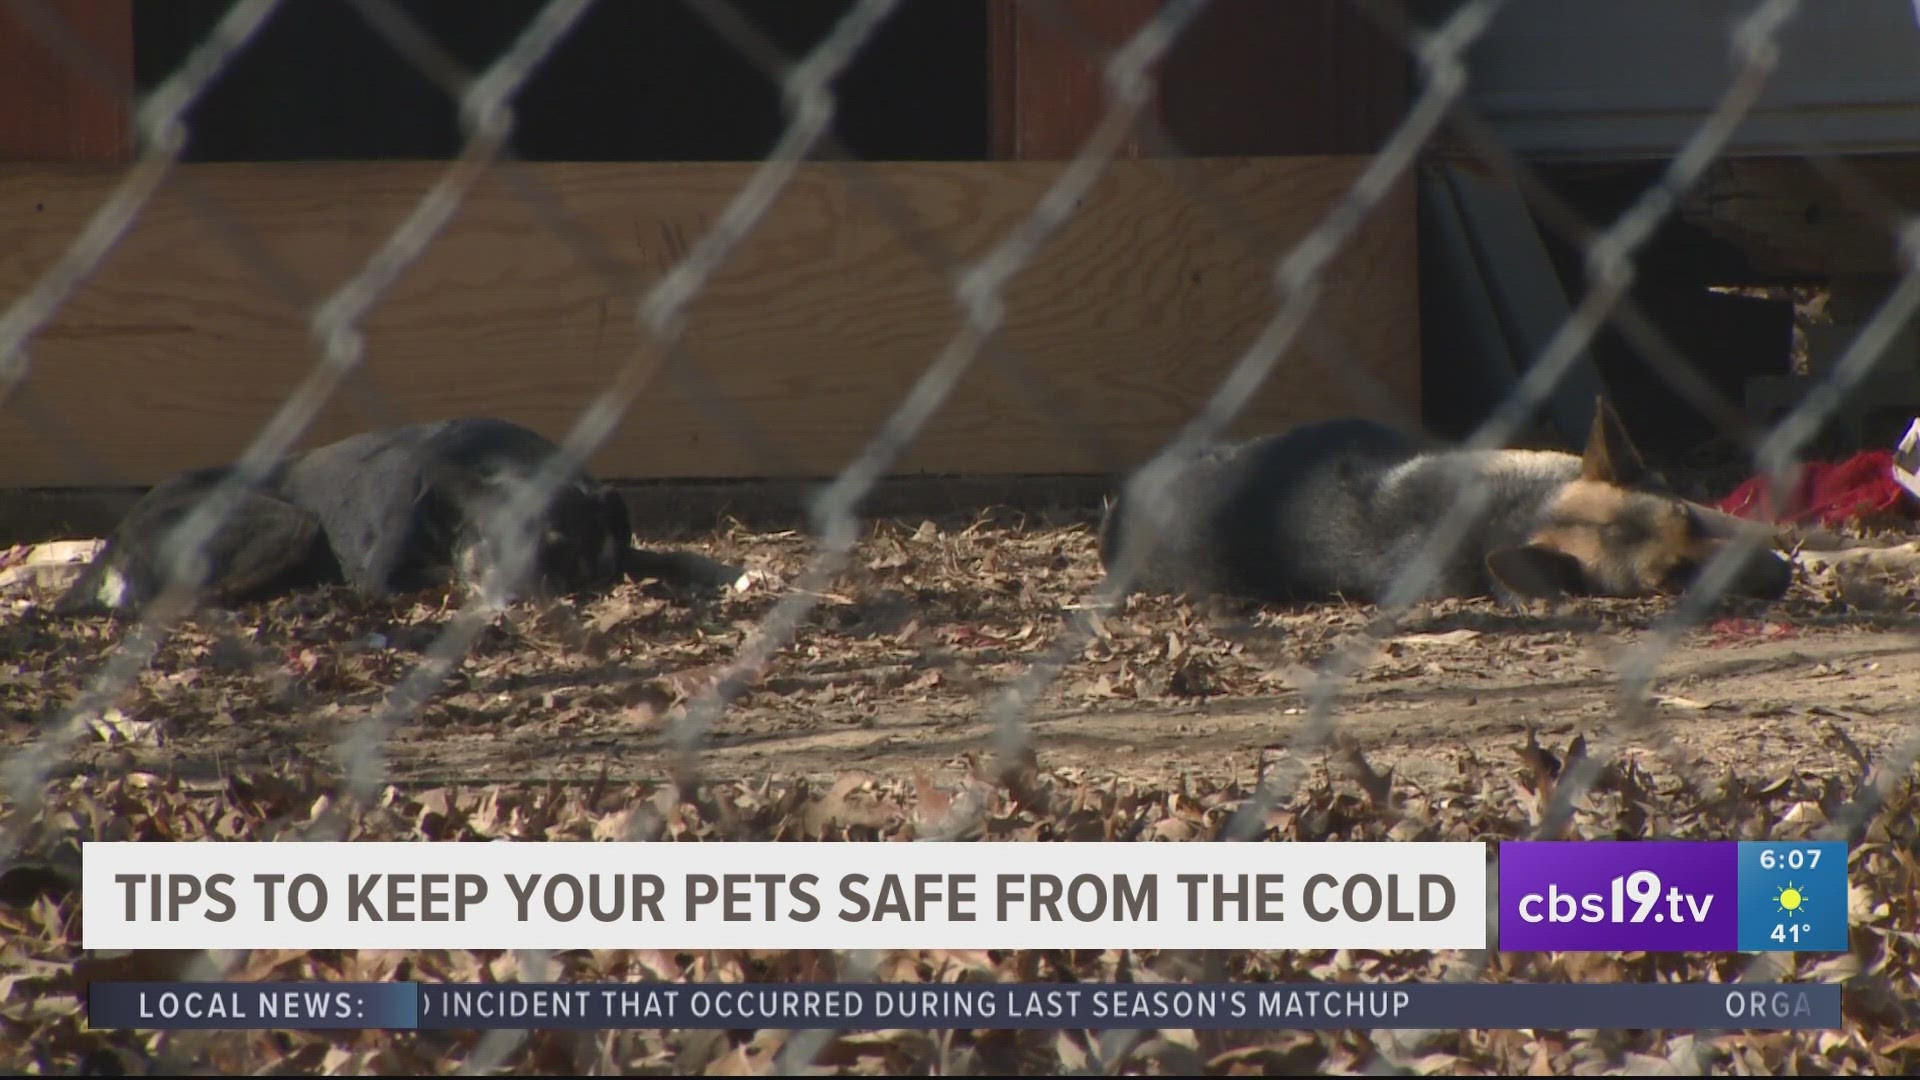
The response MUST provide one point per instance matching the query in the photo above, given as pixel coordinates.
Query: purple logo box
(1619, 896)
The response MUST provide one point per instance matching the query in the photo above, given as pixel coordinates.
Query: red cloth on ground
(1862, 484)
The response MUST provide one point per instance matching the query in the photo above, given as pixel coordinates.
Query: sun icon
(1790, 899)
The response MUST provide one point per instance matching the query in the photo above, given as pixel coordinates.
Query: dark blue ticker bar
(859, 1006)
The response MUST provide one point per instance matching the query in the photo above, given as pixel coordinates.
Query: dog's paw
(681, 569)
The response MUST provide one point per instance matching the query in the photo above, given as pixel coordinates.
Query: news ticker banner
(1694, 896)
(866, 1006)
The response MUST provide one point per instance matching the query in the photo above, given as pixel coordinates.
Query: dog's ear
(613, 511)
(1536, 570)
(1610, 456)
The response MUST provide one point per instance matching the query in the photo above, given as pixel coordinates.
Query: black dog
(385, 511)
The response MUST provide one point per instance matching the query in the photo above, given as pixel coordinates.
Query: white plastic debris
(50, 566)
(1906, 460)
(752, 579)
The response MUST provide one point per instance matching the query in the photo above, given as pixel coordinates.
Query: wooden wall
(58, 109)
(177, 351)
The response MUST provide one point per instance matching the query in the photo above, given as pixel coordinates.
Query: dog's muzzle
(1764, 575)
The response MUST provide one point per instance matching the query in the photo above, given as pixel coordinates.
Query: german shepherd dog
(394, 510)
(1340, 508)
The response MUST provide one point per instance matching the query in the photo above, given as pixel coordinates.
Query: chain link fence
(660, 307)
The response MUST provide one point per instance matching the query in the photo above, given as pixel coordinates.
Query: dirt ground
(900, 669)
(882, 721)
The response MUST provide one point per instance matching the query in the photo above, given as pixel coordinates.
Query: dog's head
(1616, 531)
(576, 544)
(582, 538)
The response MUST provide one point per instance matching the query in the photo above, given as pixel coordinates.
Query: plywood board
(179, 349)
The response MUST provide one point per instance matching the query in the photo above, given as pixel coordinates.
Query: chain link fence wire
(980, 288)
